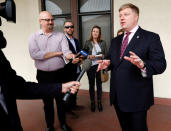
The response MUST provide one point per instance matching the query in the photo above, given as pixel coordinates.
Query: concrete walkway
(32, 116)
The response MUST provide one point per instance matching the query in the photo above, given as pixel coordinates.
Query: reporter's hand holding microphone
(74, 59)
(73, 86)
(85, 66)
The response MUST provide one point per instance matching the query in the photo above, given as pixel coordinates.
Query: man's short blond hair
(129, 5)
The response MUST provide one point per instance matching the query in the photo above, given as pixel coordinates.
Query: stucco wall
(27, 12)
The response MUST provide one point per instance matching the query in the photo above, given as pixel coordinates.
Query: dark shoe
(72, 114)
(50, 129)
(77, 108)
(100, 108)
(65, 127)
(93, 106)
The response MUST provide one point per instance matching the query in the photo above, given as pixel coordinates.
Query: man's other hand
(134, 59)
(103, 64)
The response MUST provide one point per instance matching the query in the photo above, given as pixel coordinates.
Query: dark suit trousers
(4, 120)
(92, 75)
(8, 123)
(72, 102)
(132, 121)
(71, 75)
(52, 77)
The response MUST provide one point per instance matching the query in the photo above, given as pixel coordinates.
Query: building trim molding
(162, 101)
(157, 100)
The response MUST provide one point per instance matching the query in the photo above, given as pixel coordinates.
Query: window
(84, 14)
(95, 12)
(60, 9)
(87, 22)
(94, 5)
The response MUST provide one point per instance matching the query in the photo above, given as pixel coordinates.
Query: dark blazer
(128, 88)
(71, 46)
(15, 87)
(71, 69)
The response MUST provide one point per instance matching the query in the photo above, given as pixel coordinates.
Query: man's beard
(50, 27)
(70, 34)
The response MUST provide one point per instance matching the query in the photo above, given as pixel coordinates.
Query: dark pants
(92, 75)
(52, 77)
(132, 121)
(71, 75)
(74, 96)
(9, 122)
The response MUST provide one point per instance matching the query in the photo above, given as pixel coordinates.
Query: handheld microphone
(82, 52)
(85, 67)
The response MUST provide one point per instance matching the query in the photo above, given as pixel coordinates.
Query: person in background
(120, 32)
(74, 67)
(14, 87)
(97, 49)
(50, 49)
(134, 57)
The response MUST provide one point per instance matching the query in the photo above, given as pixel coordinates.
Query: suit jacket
(15, 87)
(128, 88)
(71, 46)
(71, 69)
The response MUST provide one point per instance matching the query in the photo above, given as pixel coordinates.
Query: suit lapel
(134, 41)
(119, 41)
(71, 46)
(76, 44)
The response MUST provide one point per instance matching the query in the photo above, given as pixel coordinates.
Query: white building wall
(27, 13)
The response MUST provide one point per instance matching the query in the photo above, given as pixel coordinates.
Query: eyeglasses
(67, 27)
(48, 20)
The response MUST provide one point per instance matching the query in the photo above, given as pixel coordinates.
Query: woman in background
(97, 49)
(120, 32)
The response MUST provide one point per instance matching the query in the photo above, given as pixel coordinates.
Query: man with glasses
(73, 67)
(49, 48)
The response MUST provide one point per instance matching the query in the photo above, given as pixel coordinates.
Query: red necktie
(124, 44)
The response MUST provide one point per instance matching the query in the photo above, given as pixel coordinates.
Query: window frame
(76, 17)
(109, 12)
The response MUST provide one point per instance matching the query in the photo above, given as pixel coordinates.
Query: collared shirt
(132, 33)
(95, 49)
(2, 101)
(40, 44)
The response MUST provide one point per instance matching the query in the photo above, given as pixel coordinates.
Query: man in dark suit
(73, 68)
(14, 87)
(132, 68)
